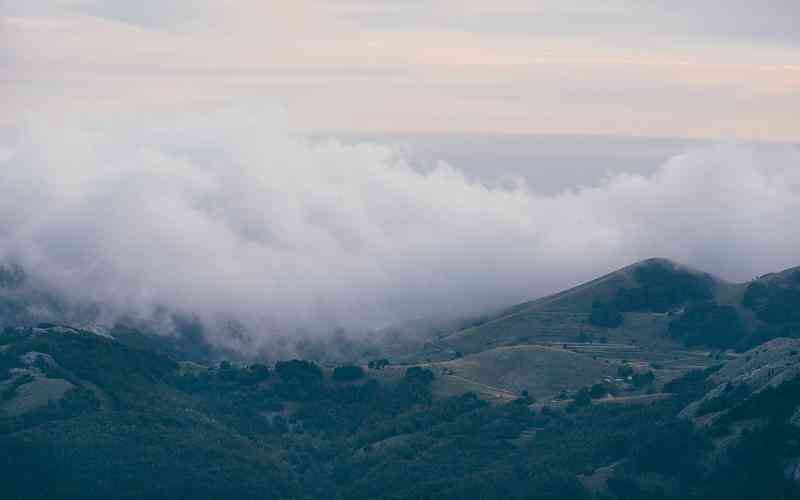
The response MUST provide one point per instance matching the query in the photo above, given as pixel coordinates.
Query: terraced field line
(642, 398)
(492, 390)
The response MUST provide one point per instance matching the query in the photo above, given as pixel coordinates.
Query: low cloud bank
(227, 216)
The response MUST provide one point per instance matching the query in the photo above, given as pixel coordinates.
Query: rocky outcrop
(768, 365)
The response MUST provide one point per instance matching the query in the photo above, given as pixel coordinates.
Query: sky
(700, 69)
(307, 165)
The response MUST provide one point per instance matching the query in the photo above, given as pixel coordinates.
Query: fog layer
(226, 215)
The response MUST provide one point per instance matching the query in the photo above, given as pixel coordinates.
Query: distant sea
(549, 163)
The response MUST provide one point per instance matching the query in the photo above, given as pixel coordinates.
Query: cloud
(226, 215)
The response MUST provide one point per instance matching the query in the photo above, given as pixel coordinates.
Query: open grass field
(541, 370)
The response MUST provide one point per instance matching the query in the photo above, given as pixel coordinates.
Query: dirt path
(494, 391)
(640, 399)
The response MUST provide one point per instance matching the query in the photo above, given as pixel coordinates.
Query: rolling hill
(564, 316)
(86, 416)
(651, 336)
(536, 402)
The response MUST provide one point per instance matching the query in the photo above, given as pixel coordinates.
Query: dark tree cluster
(640, 380)
(624, 371)
(692, 385)
(661, 288)
(767, 332)
(7, 362)
(772, 303)
(419, 375)
(347, 373)
(300, 380)
(709, 324)
(777, 306)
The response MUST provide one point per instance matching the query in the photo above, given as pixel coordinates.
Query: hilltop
(655, 316)
(565, 315)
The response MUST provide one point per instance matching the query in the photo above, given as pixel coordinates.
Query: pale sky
(702, 68)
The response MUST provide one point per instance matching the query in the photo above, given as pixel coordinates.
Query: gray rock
(768, 365)
(791, 469)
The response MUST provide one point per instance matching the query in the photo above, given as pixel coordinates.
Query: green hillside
(133, 423)
(564, 316)
(694, 394)
(671, 319)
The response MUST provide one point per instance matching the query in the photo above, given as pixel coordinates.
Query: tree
(643, 379)
(598, 391)
(254, 374)
(624, 371)
(300, 380)
(419, 375)
(347, 373)
(582, 398)
(299, 369)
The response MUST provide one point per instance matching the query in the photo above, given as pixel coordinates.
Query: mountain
(668, 317)
(85, 416)
(560, 330)
(535, 402)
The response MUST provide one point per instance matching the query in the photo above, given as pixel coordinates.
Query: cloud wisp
(226, 215)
